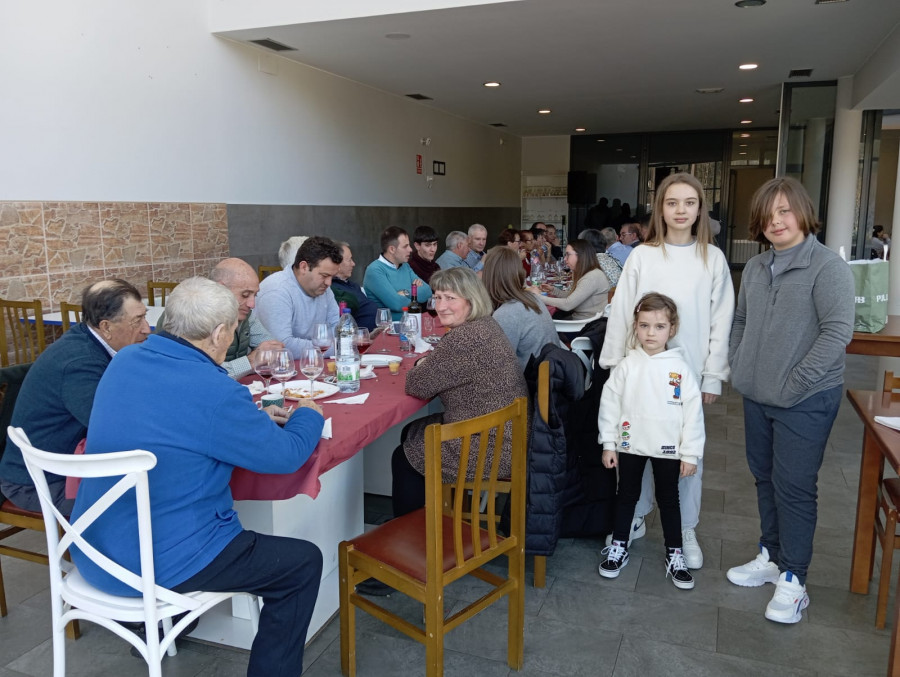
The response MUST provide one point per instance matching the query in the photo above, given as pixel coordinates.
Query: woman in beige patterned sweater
(473, 370)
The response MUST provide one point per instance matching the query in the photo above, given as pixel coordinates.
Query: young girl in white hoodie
(651, 408)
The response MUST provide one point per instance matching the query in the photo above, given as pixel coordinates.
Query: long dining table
(322, 502)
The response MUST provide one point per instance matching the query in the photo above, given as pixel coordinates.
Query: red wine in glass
(432, 312)
(363, 346)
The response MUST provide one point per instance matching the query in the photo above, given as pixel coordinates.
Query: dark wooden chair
(22, 327)
(155, 287)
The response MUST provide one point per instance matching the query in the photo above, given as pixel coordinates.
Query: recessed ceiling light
(746, 99)
(397, 36)
(618, 150)
(601, 140)
(742, 153)
(544, 111)
(580, 129)
(748, 66)
(750, 3)
(745, 136)
(746, 122)
(492, 84)
(742, 145)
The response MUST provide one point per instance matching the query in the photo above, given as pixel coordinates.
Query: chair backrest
(11, 379)
(584, 349)
(472, 545)
(891, 383)
(264, 271)
(131, 467)
(67, 310)
(154, 286)
(22, 325)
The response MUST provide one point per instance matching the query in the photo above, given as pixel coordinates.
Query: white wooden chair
(71, 596)
(574, 326)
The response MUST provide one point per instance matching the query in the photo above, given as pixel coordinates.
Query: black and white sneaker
(677, 569)
(616, 559)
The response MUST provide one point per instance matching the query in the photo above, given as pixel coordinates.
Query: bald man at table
(201, 425)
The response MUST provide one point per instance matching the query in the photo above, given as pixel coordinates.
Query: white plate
(379, 360)
(321, 389)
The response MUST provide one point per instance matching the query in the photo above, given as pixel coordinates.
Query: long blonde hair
(700, 228)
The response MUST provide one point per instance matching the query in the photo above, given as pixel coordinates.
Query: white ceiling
(607, 65)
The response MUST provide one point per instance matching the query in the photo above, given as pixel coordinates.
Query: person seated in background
(589, 293)
(361, 306)
(287, 252)
(601, 240)
(629, 237)
(291, 302)
(477, 243)
(511, 238)
(556, 251)
(389, 278)
(473, 370)
(527, 241)
(202, 428)
(421, 259)
(250, 336)
(54, 403)
(525, 321)
(877, 243)
(454, 256)
(539, 232)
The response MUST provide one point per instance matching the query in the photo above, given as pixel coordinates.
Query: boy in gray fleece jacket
(793, 321)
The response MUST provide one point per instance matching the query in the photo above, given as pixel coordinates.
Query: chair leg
(167, 628)
(3, 610)
(887, 557)
(515, 649)
(540, 571)
(73, 630)
(434, 630)
(348, 614)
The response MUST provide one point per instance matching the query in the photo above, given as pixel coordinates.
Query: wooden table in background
(885, 343)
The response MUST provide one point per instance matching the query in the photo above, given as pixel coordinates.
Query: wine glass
(322, 337)
(362, 340)
(283, 367)
(311, 365)
(262, 365)
(431, 310)
(384, 320)
(410, 327)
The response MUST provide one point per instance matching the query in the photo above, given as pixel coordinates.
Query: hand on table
(278, 414)
(310, 404)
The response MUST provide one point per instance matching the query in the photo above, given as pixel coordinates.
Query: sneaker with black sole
(678, 570)
(693, 555)
(756, 572)
(789, 600)
(638, 529)
(374, 588)
(616, 559)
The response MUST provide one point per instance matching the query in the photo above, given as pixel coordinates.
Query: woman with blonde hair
(525, 321)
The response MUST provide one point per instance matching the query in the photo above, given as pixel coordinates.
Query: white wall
(545, 155)
(120, 101)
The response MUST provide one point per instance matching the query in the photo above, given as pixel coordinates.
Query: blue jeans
(785, 447)
(285, 572)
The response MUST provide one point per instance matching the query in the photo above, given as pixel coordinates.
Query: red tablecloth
(353, 427)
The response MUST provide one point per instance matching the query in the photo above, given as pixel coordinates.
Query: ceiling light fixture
(746, 122)
(746, 99)
(742, 145)
(742, 153)
(750, 3)
(601, 140)
(748, 66)
(745, 136)
(580, 129)
(544, 111)
(492, 84)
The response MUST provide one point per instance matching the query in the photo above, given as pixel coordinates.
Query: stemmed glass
(311, 365)
(283, 367)
(262, 365)
(362, 340)
(431, 309)
(322, 337)
(410, 327)
(384, 320)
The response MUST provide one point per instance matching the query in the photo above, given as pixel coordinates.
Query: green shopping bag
(871, 279)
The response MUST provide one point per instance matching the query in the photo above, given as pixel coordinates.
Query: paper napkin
(421, 345)
(889, 421)
(326, 429)
(356, 399)
(255, 387)
(367, 372)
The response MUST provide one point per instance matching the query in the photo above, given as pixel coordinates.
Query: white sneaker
(789, 601)
(638, 529)
(756, 572)
(693, 555)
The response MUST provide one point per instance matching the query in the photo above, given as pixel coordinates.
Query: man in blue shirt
(629, 238)
(477, 243)
(457, 251)
(389, 278)
(361, 306)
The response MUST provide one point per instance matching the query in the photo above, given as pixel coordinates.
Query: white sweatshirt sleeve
(618, 327)
(693, 432)
(715, 368)
(611, 408)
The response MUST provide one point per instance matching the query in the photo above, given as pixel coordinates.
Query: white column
(844, 169)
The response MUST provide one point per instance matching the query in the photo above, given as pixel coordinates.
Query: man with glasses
(54, 404)
(629, 238)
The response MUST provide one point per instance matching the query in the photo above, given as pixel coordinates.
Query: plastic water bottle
(346, 355)
(404, 339)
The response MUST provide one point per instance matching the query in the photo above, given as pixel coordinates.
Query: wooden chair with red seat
(421, 553)
(13, 518)
(886, 526)
(265, 271)
(22, 327)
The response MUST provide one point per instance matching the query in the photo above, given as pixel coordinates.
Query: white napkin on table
(367, 371)
(255, 387)
(326, 430)
(421, 345)
(889, 421)
(355, 399)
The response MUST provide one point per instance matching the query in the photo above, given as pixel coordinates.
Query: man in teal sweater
(389, 278)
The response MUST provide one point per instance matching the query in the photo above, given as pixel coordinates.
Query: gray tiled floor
(637, 625)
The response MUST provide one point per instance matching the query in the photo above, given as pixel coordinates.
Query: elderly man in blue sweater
(201, 425)
(389, 279)
(54, 404)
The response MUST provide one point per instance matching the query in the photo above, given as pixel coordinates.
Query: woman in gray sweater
(793, 321)
(526, 322)
(590, 286)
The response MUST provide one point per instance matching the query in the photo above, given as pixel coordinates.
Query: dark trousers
(407, 484)
(785, 448)
(285, 572)
(665, 476)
